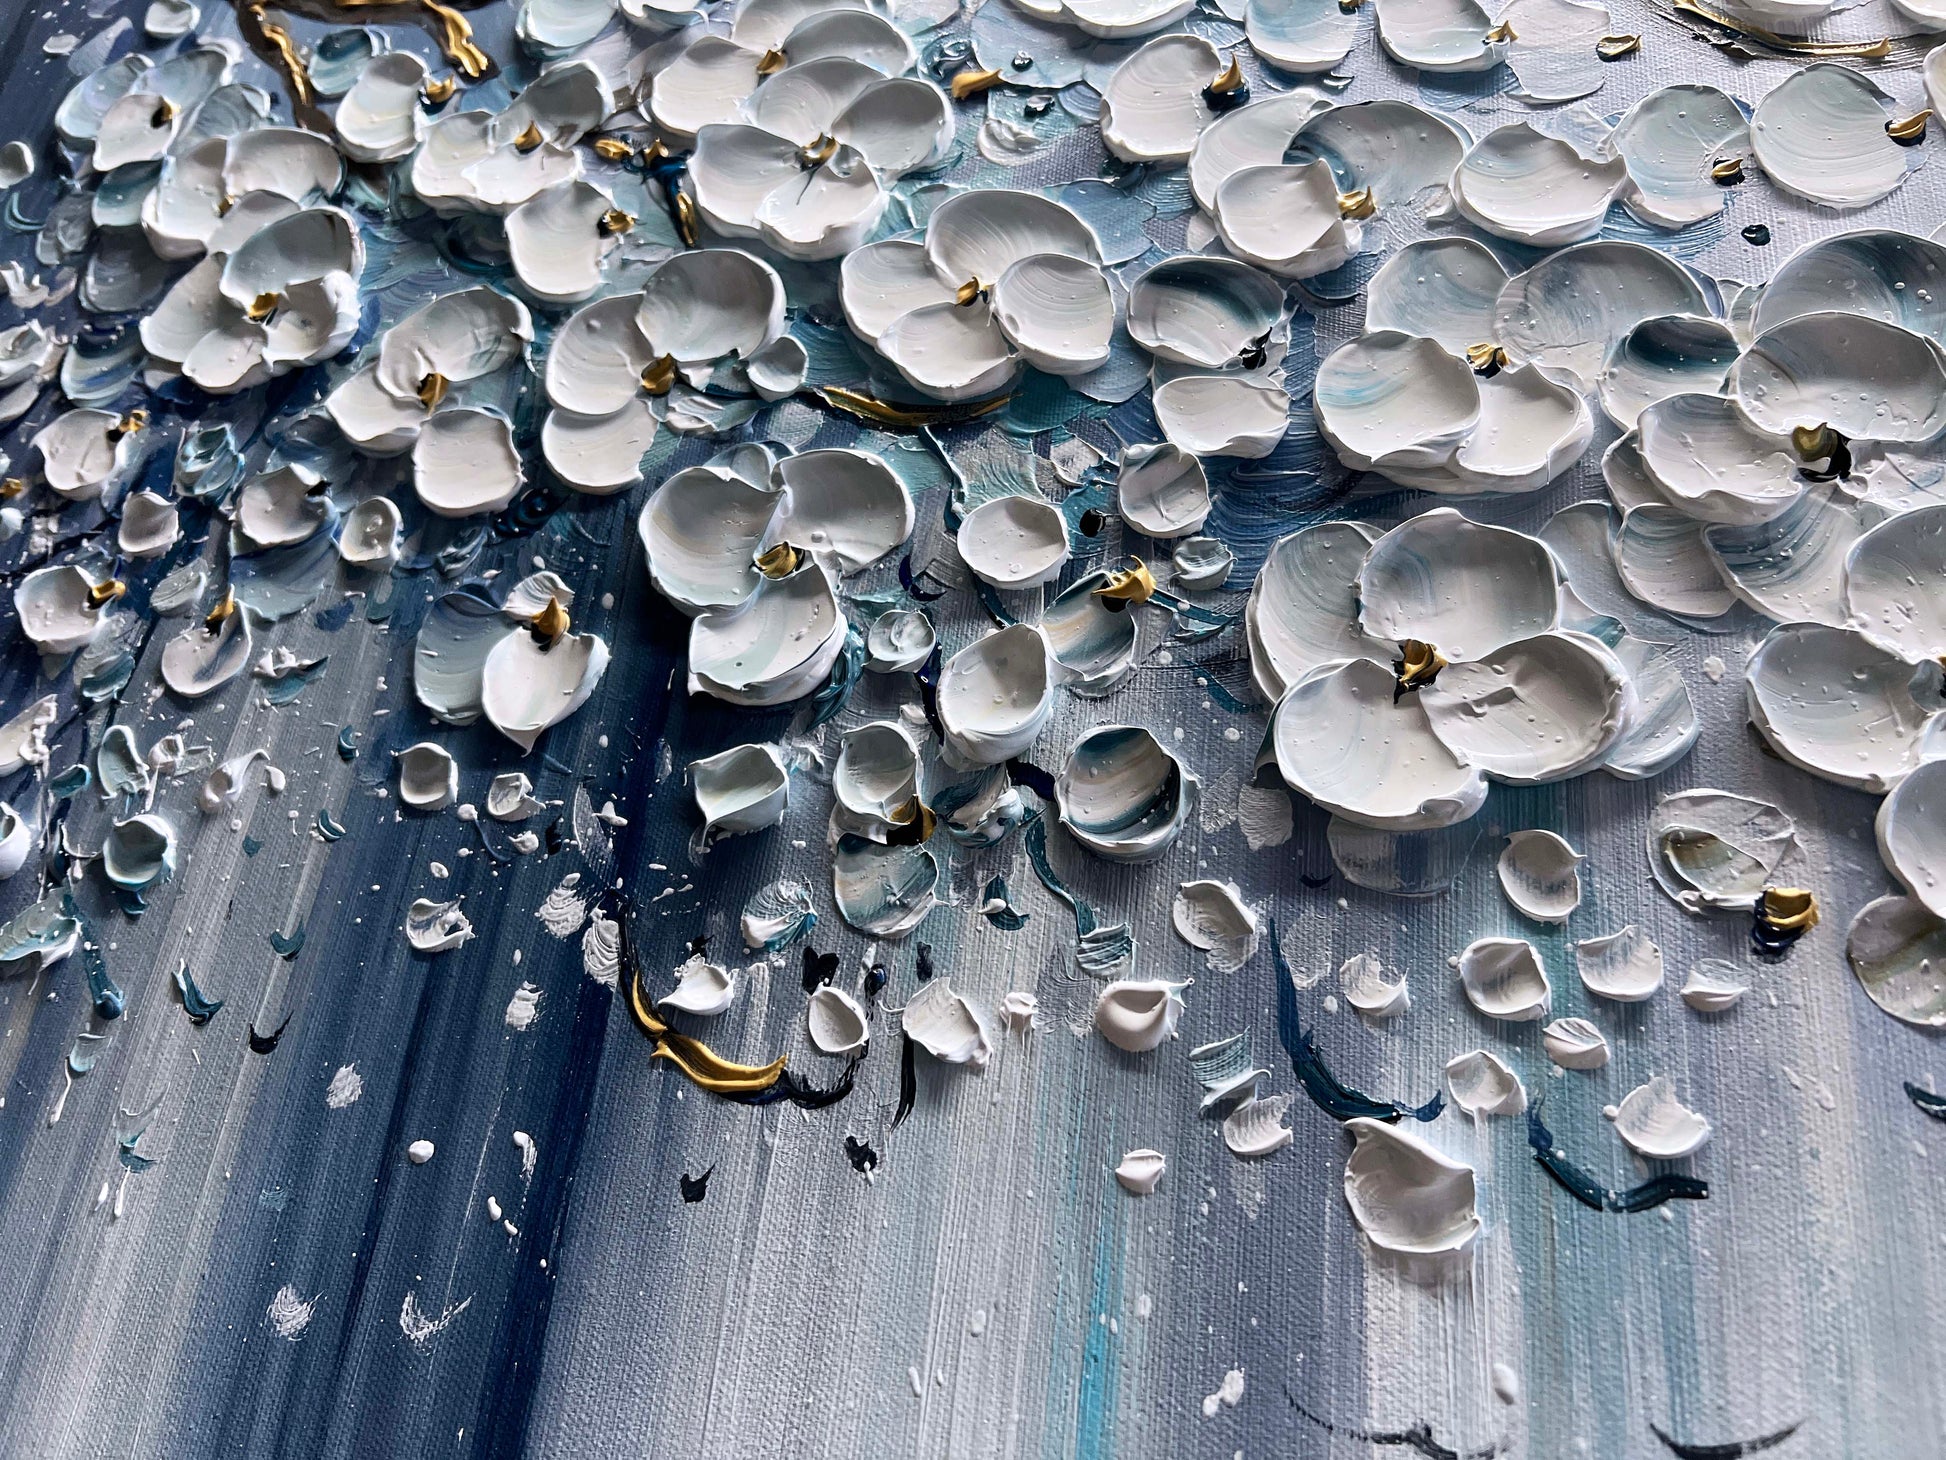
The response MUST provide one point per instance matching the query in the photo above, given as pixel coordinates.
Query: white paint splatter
(1264, 816)
(524, 1007)
(1506, 1384)
(1714, 667)
(419, 1152)
(529, 1153)
(289, 1315)
(419, 1327)
(601, 951)
(1219, 805)
(562, 912)
(1228, 1394)
(345, 1087)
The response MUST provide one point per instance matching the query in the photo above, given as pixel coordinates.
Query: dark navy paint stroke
(289, 947)
(514, 1355)
(928, 677)
(862, 1157)
(1730, 1450)
(265, 1043)
(695, 1188)
(788, 1086)
(819, 968)
(996, 610)
(922, 968)
(1419, 1438)
(1591, 1193)
(1331, 1095)
(910, 583)
(1022, 772)
(908, 1079)
(1929, 1103)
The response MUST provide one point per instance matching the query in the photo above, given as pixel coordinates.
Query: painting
(973, 728)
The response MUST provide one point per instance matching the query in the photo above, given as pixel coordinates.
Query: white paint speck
(1506, 1384)
(289, 1315)
(562, 911)
(345, 1087)
(419, 1152)
(1714, 668)
(418, 1326)
(1229, 1394)
(524, 1007)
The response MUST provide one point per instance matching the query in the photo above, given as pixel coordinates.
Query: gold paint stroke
(700, 1064)
(551, 622)
(456, 40)
(1909, 129)
(1486, 358)
(297, 76)
(1876, 50)
(1128, 585)
(777, 562)
(1231, 79)
(1789, 909)
(883, 413)
(1358, 203)
(1420, 664)
(688, 224)
(972, 82)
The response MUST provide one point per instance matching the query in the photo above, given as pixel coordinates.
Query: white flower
(1291, 194)
(60, 609)
(381, 118)
(558, 238)
(454, 341)
(798, 131)
(1408, 408)
(144, 117)
(705, 320)
(486, 162)
(30, 354)
(84, 452)
(1157, 103)
(713, 76)
(1002, 279)
(1110, 19)
(516, 664)
(705, 529)
(213, 193)
(1218, 330)
(553, 27)
(1461, 667)
(286, 296)
(807, 173)
(463, 456)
